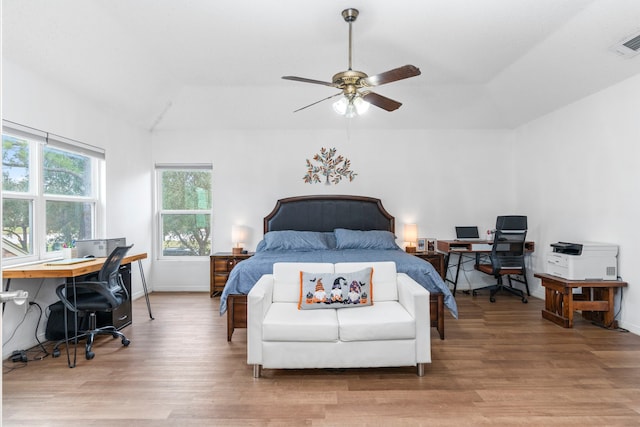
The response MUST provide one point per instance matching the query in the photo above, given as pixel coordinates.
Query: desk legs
(455, 279)
(446, 271)
(144, 287)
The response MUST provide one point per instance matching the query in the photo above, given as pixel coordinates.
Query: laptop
(467, 233)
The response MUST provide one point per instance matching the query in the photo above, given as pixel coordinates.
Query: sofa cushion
(284, 322)
(387, 320)
(385, 277)
(286, 278)
(331, 290)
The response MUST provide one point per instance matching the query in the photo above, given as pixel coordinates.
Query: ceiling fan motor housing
(349, 80)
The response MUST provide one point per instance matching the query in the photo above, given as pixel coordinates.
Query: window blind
(54, 140)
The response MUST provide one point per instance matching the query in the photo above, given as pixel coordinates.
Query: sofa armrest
(259, 300)
(415, 299)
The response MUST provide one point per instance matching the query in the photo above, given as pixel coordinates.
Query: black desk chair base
(90, 335)
(494, 289)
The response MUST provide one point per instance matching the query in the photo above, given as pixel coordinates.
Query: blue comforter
(245, 274)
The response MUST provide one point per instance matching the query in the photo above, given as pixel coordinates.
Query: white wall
(578, 181)
(436, 179)
(30, 100)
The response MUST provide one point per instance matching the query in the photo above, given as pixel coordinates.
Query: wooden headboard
(327, 212)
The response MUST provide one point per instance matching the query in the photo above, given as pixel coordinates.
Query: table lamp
(410, 237)
(238, 237)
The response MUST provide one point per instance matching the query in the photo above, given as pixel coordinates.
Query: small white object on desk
(68, 253)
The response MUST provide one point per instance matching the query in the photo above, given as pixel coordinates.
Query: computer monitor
(466, 232)
(511, 222)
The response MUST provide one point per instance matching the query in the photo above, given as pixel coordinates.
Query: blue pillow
(370, 239)
(291, 240)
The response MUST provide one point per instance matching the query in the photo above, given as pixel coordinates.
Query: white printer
(583, 261)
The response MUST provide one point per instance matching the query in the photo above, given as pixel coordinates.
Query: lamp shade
(238, 234)
(410, 233)
(410, 236)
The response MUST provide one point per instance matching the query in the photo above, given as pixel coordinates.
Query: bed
(329, 228)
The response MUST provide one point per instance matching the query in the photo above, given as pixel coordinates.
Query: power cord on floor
(20, 358)
(43, 351)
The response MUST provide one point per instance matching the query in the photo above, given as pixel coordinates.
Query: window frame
(160, 212)
(37, 141)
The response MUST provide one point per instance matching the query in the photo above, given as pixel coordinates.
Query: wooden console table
(595, 300)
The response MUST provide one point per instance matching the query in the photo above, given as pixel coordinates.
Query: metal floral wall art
(326, 167)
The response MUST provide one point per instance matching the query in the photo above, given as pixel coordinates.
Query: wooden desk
(468, 247)
(43, 271)
(474, 246)
(595, 300)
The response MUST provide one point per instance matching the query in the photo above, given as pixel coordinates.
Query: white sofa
(394, 331)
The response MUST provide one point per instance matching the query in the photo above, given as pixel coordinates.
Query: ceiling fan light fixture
(361, 105)
(340, 106)
(351, 106)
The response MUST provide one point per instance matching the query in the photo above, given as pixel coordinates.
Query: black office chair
(506, 259)
(104, 292)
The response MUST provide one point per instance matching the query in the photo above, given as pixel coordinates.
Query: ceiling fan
(354, 84)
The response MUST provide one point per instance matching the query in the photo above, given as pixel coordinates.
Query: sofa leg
(257, 370)
(421, 369)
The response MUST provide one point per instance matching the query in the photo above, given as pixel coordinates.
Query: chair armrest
(100, 288)
(415, 299)
(259, 300)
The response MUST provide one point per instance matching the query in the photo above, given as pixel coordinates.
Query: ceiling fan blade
(381, 101)
(305, 80)
(317, 102)
(391, 76)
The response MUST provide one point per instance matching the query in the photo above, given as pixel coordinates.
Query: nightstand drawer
(221, 264)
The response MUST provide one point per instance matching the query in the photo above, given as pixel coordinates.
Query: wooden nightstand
(436, 300)
(221, 264)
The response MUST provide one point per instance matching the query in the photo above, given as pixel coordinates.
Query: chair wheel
(524, 300)
(89, 355)
(55, 352)
(492, 299)
(125, 342)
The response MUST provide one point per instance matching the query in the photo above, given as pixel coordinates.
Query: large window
(184, 210)
(50, 194)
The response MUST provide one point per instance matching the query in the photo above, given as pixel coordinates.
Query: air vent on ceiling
(628, 47)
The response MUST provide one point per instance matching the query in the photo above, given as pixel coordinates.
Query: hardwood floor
(500, 364)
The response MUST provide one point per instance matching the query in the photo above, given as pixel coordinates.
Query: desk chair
(507, 258)
(104, 292)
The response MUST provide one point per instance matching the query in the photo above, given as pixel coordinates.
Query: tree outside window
(185, 211)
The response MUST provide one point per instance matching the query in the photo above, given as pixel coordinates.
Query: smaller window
(184, 211)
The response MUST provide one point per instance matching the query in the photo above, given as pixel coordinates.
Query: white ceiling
(205, 64)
